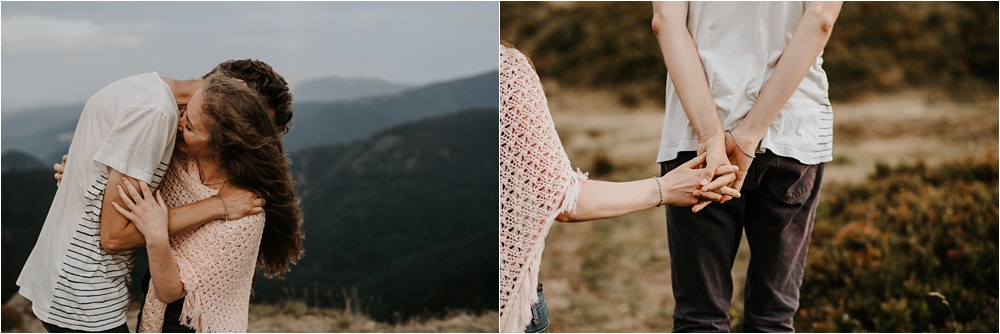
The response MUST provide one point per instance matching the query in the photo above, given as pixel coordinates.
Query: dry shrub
(913, 249)
(11, 318)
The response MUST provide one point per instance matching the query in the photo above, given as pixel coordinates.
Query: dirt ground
(614, 275)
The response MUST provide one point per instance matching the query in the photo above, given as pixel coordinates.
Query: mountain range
(46, 132)
(339, 89)
(316, 123)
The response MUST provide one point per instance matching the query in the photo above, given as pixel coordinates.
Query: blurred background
(394, 104)
(906, 233)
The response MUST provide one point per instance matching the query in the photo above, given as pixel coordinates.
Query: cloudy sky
(62, 52)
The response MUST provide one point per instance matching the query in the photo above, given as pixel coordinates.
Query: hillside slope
(400, 218)
(317, 124)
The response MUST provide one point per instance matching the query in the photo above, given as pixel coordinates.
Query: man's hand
(737, 158)
(60, 168)
(714, 149)
(717, 171)
(241, 202)
(736, 155)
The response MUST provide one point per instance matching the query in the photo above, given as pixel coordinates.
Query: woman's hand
(683, 185)
(241, 202)
(148, 214)
(59, 168)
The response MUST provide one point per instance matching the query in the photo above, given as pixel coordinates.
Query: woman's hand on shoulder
(241, 202)
(60, 168)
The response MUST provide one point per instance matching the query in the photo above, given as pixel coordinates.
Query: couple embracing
(747, 131)
(195, 171)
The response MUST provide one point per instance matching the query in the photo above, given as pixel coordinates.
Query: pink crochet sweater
(537, 183)
(216, 260)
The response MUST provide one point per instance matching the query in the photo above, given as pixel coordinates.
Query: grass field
(614, 275)
(294, 317)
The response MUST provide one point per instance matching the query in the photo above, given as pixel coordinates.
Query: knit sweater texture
(216, 260)
(537, 183)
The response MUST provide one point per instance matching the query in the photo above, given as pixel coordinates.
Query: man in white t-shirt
(745, 86)
(72, 279)
(79, 272)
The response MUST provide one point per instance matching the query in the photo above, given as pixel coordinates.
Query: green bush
(911, 249)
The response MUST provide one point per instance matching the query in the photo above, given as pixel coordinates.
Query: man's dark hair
(260, 77)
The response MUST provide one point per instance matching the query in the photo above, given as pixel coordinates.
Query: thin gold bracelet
(224, 206)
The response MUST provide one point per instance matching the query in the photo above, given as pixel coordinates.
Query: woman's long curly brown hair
(244, 137)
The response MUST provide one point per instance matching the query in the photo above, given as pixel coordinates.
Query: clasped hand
(729, 163)
(692, 183)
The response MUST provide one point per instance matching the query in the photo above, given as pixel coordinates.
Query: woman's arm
(149, 216)
(680, 187)
(118, 235)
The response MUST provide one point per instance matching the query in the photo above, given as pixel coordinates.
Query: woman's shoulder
(251, 221)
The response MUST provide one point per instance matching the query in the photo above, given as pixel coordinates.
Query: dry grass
(614, 275)
(293, 317)
(297, 317)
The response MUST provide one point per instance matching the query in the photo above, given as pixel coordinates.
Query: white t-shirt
(130, 126)
(739, 44)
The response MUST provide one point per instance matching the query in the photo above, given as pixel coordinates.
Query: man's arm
(116, 237)
(807, 42)
(118, 234)
(680, 55)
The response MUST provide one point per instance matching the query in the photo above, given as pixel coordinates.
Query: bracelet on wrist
(730, 131)
(224, 206)
(660, 188)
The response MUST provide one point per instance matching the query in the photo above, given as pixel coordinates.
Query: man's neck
(183, 89)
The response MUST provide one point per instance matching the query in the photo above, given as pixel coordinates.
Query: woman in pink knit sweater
(227, 137)
(538, 186)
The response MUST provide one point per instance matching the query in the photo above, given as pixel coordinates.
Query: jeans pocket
(790, 180)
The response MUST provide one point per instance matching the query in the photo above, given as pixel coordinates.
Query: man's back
(130, 126)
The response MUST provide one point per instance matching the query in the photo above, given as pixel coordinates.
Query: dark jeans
(172, 316)
(539, 315)
(777, 209)
(56, 329)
